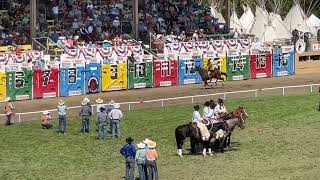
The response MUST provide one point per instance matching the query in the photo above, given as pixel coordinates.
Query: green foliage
(281, 141)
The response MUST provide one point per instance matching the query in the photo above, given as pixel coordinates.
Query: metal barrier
(255, 93)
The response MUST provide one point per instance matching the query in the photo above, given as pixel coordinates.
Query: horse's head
(194, 69)
(241, 113)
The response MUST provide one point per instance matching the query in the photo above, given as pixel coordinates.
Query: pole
(228, 14)
(135, 18)
(33, 19)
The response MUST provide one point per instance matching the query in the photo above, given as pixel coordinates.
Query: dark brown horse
(233, 119)
(208, 76)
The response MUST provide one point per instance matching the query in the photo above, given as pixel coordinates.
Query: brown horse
(208, 76)
(233, 119)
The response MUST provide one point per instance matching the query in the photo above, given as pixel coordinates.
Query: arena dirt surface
(175, 91)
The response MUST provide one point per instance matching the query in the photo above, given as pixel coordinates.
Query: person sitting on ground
(45, 120)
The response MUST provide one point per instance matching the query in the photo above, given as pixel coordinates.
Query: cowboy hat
(86, 99)
(196, 107)
(61, 102)
(45, 112)
(8, 99)
(141, 145)
(152, 144)
(220, 100)
(84, 102)
(116, 105)
(146, 141)
(112, 102)
(99, 101)
(129, 140)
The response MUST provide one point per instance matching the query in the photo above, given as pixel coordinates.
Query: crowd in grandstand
(94, 21)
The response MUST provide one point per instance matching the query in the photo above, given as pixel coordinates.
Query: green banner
(19, 84)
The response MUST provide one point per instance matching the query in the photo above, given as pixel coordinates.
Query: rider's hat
(196, 107)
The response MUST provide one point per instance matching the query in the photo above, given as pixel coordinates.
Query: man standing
(85, 113)
(8, 108)
(109, 107)
(115, 115)
(62, 111)
(128, 151)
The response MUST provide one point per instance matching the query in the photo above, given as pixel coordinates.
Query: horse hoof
(204, 155)
(211, 154)
(180, 156)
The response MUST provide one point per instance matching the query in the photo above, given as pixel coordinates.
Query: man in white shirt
(115, 115)
(207, 111)
(220, 109)
(196, 118)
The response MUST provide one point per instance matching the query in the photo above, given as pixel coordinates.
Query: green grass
(281, 141)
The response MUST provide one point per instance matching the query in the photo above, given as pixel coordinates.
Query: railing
(255, 93)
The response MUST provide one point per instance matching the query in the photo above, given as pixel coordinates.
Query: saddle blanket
(203, 130)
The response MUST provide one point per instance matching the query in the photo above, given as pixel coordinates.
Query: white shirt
(207, 112)
(116, 23)
(100, 106)
(115, 114)
(196, 117)
(220, 109)
(55, 10)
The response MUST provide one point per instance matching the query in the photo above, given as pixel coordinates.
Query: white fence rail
(224, 94)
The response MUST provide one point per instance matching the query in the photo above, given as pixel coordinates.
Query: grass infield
(281, 141)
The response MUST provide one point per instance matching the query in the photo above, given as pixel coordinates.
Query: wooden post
(33, 18)
(228, 14)
(135, 22)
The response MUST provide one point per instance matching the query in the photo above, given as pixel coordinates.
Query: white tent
(313, 21)
(260, 25)
(281, 31)
(217, 14)
(296, 19)
(247, 19)
(234, 21)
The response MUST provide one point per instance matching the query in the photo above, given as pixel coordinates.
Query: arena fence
(128, 106)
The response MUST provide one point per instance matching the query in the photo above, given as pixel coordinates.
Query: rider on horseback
(210, 67)
(220, 109)
(196, 118)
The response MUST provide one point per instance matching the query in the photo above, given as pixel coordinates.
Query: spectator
(109, 107)
(106, 44)
(141, 160)
(128, 151)
(62, 112)
(102, 123)
(152, 156)
(55, 12)
(91, 45)
(115, 115)
(85, 113)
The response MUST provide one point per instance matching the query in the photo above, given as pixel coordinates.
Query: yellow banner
(114, 77)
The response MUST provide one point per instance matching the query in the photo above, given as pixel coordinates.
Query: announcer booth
(261, 62)
(219, 60)
(114, 74)
(187, 61)
(140, 73)
(283, 61)
(71, 76)
(238, 65)
(3, 94)
(166, 71)
(19, 81)
(92, 76)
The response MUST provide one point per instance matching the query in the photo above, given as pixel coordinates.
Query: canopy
(247, 19)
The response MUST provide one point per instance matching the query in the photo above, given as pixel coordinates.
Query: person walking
(85, 113)
(128, 151)
(8, 109)
(62, 112)
(141, 160)
(152, 156)
(115, 115)
(101, 123)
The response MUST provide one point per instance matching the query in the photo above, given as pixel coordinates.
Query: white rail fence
(255, 93)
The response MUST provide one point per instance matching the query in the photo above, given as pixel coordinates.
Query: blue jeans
(115, 124)
(152, 170)
(129, 168)
(85, 124)
(142, 170)
(62, 123)
(102, 132)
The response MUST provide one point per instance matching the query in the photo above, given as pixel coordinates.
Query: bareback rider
(210, 66)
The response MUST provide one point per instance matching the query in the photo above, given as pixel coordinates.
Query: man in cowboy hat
(152, 156)
(45, 120)
(141, 160)
(62, 112)
(197, 119)
(115, 115)
(85, 113)
(220, 109)
(102, 123)
(100, 104)
(8, 109)
(109, 107)
(128, 151)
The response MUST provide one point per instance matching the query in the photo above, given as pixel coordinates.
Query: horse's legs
(193, 143)
(221, 144)
(179, 146)
(206, 145)
(229, 140)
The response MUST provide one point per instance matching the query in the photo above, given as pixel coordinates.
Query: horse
(191, 130)
(205, 75)
(233, 119)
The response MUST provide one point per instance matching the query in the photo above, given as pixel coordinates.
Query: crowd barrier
(83, 71)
